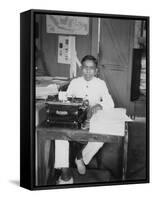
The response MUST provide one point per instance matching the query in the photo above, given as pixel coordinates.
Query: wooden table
(52, 133)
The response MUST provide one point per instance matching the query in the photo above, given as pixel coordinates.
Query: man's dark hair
(89, 57)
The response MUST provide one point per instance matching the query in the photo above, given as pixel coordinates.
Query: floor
(136, 160)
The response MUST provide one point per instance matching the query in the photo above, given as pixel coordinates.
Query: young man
(95, 91)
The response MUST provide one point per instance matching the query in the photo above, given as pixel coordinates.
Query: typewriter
(69, 114)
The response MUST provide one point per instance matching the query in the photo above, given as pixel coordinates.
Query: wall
(49, 46)
(116, 43)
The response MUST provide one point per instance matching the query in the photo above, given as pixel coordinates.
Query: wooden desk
(53, 133)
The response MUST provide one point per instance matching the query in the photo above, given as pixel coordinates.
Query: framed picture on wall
(84, 99)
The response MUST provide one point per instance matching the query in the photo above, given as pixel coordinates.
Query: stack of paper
(111, 122)
(43, 92)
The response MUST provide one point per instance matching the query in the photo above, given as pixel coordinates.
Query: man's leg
(61, 154)
(62, 161)
(84, 157)
(90, 150)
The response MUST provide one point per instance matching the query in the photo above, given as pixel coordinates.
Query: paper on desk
(111, 122)
(43, 92)
(60, 78)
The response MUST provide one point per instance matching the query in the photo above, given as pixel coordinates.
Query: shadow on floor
(15, 182)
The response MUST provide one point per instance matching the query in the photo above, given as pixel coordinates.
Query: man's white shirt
(94, 90)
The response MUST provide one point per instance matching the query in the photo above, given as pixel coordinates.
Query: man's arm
(107, 101)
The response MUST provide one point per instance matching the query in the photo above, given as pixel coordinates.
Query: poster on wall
(67, 53)
(63, 50)
(60, 24)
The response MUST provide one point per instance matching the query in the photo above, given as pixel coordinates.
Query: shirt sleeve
(107, 101)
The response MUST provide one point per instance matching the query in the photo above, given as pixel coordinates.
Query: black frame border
(27, 98)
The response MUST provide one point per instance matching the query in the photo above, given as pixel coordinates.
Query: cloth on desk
(110, 121)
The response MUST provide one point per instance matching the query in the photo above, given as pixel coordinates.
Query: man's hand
(95, 108)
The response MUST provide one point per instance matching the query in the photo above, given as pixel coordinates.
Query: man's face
(88, 70)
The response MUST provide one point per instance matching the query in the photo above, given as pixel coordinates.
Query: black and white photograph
(89, 99)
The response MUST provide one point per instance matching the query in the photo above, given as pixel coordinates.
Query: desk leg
(41, 160)
(125, 152)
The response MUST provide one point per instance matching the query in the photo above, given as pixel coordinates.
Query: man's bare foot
(66, 173)
(80, 166)
(62, 182)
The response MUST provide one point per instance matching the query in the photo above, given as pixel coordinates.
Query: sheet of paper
(111, 122)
